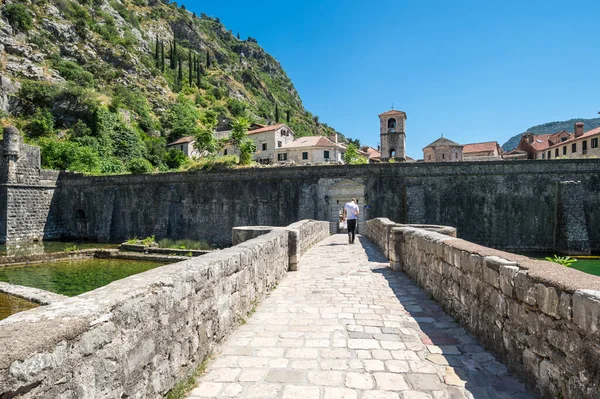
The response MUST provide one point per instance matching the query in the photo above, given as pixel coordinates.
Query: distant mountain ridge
(551, 127)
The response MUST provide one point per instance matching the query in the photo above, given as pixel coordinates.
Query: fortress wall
(509, 205)
(149, 330)
(542, 319)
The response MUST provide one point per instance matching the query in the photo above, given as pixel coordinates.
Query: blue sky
(470, 70)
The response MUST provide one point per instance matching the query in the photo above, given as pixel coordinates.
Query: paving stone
(374, 365)
(206, 389)
(390, 382)
(397, 366)
(359, 380)
(301, 392)
(260, 391)
(424, 382)
(231, 390)
(325, 377)
(252, 375)
(285, 376)
(416, 395)
(379, 395)
(340, 393)
(223, 374)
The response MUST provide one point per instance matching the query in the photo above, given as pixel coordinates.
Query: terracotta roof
(393, 112)
(373, 153)
(543, 141)
(589, 133)
(490, 146)
(266, 129)
(443, 142)
(311, 141)
(182, 140)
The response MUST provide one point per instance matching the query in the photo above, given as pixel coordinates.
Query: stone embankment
(139, 336)
(542, 319)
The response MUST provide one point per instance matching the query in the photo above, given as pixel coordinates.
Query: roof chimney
(334, 138)
(578, 129)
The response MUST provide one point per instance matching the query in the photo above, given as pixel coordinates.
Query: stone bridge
(406, 312)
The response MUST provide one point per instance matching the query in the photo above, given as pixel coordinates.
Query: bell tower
(392, 135)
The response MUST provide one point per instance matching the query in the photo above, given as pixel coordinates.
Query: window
(225, 151)
(181, 148)
(574, 147)
(543, 155)
(305, 155)
(556, 153)
(584, 145)
(392, 125)
(563, 139)
(279, 143)
(264, 146)
(549, 153)
(443, 156)
(565, 150)
(326, 154)
(282, 157)
(594, 143)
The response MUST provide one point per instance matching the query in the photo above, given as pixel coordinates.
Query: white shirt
(351, 210)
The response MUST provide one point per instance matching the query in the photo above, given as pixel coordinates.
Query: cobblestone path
(347, 327)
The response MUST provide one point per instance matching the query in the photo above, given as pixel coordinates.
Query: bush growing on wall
(139, 165)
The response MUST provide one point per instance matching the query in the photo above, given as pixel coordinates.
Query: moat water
(10, 304)
(590, 265)
(74, 277)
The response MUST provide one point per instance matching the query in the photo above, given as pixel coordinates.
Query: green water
(32, 248)
(590, 266)
(10, 304)
(74, 277)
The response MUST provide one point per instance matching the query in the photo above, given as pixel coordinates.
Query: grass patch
(180, 390)
(184, 244)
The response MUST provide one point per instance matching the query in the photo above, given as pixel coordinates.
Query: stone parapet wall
(138, 336)
(542, 319)
(302, 235)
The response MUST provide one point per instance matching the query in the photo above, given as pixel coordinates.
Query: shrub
(18, 17)
(38, 94)
(41, 124)
(174, 158)
(236, 107)
(139, 165)
(73, 72)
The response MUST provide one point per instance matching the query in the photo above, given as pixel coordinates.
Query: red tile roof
(488, 146)
(589, 133)
(373, 153)
(311, 141)
(266, 129)
(543, 141)
(393, 112)
(182, 140)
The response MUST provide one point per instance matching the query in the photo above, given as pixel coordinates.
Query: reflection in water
(73, 277)
(38, 248)
(10, 304)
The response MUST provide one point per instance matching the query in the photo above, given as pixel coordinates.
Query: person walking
(351, 212)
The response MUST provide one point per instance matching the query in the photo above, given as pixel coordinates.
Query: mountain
(99, 84)
(551, 127)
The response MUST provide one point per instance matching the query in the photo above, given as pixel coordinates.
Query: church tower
(392, 135)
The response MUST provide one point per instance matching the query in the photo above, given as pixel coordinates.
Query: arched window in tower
(392, 125)
(392, 153)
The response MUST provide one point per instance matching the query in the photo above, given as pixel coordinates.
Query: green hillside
(103, 86)
(552, 127)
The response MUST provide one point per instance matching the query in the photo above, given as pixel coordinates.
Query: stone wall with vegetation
(542, 319)
(139, 336)
(508, 205)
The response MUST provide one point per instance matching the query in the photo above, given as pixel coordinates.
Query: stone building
(311, 149)
(487, 151)
(536, 145)
(578, 145)
(267, 139)
(443, 150)
(392, 135)
(185, 145)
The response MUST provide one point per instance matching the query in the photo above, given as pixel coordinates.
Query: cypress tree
(180, 71)
(162, 56)
(276, 113)
(198, 74)
(190, 69)
(157, 52)
(207, 59)
(171, 56)
(238, 35)
(288, 115)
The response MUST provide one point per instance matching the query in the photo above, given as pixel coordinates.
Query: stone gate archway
(339, 194)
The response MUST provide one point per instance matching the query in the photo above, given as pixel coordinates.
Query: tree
(190, 69)
(42, 123)
(206, 142)
(239, 138)
(352, 156)
(180, 71)
(288, 114)
(238, 36)
(157, 52)
(162, 57)
(139, 165)
(276, 113)
(198, 72)
(207, 58)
